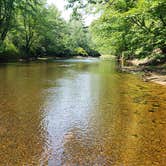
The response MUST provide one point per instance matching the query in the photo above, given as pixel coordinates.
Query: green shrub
(8, 51)
(93, 53)
(80, 51)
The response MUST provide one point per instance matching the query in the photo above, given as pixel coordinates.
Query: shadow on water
(80, 112)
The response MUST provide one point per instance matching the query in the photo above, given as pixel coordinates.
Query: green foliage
(80, 51)
(133, 27)
(8, 51)
(33, 28)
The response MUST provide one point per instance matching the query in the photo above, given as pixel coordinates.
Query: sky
(66, 13)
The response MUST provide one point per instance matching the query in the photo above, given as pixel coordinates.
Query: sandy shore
(156, 74)
(155, 77)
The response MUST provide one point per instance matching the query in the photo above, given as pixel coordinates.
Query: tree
(7, 8)
(133, 28)
(53, 31)
(31, 28)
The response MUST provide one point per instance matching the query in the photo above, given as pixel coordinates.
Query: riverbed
(80, 112)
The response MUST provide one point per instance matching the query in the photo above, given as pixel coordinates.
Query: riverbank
(44, 58)
(154, 73)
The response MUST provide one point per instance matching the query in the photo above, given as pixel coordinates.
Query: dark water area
(80, 113)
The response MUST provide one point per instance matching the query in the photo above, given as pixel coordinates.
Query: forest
(129, 28)
(30, 29)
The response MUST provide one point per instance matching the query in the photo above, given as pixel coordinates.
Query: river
(80, 113)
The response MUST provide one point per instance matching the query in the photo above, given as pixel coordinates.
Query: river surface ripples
(80, 113)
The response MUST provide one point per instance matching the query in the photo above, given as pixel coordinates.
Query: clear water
(80, 113)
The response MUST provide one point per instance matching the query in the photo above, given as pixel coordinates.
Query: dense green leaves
(31, 28)
(129, 27)
(133, 27)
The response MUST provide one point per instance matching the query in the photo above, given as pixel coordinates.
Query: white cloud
(66, 13)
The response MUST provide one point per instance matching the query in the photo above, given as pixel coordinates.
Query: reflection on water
(80, 112)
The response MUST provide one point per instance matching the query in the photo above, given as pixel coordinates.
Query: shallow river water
(80, 113)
